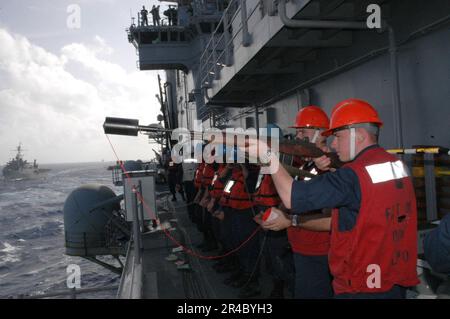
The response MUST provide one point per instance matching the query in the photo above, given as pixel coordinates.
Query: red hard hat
(311, 116)
(352, 111)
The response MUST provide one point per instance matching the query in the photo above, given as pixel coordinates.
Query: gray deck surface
(162, 279)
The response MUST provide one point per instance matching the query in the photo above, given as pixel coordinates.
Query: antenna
(132, 18)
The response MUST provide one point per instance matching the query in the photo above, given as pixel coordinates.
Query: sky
(60, 76)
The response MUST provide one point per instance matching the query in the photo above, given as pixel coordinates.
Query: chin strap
(316, 135)
(352, 143)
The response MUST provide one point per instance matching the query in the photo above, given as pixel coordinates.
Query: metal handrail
(217, 28)
(211, 61)
(204, 68)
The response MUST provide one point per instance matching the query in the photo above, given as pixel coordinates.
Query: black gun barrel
(121, 126)
(130, 127)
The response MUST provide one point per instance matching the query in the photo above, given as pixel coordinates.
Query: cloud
(56, 104)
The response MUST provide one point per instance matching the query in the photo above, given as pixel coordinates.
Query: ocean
(32, 258)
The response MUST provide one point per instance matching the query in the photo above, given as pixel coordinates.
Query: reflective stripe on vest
(387, 171)
(235, 194)
(216, 187)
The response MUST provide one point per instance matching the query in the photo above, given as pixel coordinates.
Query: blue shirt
(339, 190)
(332, 190)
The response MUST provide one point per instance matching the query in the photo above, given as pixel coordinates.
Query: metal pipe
(316, 24)
(246, 38)
(397, 111)
(186, 103)
(163, 109)
(430, 187)
(257, 120)
(141, 207)
(226, 40)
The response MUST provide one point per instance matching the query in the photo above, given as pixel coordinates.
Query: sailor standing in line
(310, 237)
(373, 248)
(277, 251)
(237, 203)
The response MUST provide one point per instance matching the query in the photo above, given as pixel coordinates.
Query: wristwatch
(294, 220)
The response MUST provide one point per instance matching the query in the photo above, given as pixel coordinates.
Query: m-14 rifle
(298, 148)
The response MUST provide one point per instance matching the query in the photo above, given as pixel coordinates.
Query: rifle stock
(294, 171)
(301, 148)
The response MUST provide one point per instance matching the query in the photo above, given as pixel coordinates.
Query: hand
(279, 223)
(323, 163)
(256, 149)
(204, 202)
(258, 219)
(210, 205)
(220, 215)
(177, 187)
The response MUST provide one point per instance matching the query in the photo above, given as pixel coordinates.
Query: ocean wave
(51, 213)
(45, 230)
(8, 248)
(31, 223)
(9, 254)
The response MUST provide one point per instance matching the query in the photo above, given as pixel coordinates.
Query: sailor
(144, 14)
(436, 246)
(277, 251)
(219, 208)
(212, 207)
(197, 217)
(210, 242)
(310, 238)
(215, 190)
(373, 248)
(175, 176)
(171, 14)
(189, 167)
(155, 15)
(238, 204)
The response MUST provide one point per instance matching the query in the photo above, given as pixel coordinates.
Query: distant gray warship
(18, 168)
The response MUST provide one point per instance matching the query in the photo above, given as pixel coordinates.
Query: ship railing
(131, 282)
(218, 52)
